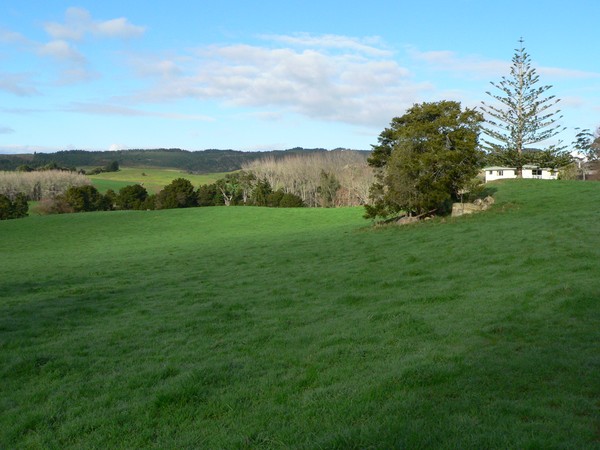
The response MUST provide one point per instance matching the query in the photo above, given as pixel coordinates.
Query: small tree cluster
(243, 188)
(13, 209)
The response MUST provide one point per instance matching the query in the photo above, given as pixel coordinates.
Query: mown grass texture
(251, 327)
(152, 179)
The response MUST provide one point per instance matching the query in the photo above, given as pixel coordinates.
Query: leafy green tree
(110, 199)
(112, 167)
(131, 197)
(424, 159)
(13, 209)
(523, 117)
(261, 192)
(85, 198)
(6, 208)
(231, 188)
(178, 194)
(209, 195)
(328, 187)
(274, 198)
(289, 200)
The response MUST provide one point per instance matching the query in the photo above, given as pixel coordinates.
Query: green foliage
(328, 188)
(209, 195)
(230, 187)
(261, 192)
(132, 197)
(424, 159)
(289, 200)
(13, 209)
(178, 194)
(85, 198)
(525, 117)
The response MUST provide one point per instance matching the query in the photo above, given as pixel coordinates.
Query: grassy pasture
(153, 179)
(303, 328)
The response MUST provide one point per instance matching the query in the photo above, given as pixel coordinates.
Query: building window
(500, 173)
(537, 172)
(490, 172)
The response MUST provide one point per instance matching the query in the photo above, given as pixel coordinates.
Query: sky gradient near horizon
(272, 75)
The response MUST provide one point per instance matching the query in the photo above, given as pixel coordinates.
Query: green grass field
(251, 327)
(153, 179)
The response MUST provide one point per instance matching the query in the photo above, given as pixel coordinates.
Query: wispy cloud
(62, 51)
(6, 130)
(119, 110)
(79, 23)
(19, 84)
(472, 66)
(370, 45)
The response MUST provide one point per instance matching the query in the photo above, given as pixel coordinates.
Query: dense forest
(204, 161)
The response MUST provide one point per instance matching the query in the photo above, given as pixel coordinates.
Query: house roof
(498, 168)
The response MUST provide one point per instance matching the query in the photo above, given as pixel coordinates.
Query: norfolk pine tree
(526, 117)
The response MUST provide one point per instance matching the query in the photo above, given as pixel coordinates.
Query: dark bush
(13, 209)
(178, 194)
(132, 197)
(85, 198)
(209, 195)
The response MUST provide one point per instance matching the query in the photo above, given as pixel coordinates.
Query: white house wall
(495, 174)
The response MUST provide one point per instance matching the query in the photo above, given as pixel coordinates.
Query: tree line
(202, 161)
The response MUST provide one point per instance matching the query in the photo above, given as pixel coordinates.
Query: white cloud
(61, 50)
(6, 130)
(117, 28)
(79, 22)
(116, 147)
(321, 77)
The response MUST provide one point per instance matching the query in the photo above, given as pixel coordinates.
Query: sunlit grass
(304, 328)
(151, 178)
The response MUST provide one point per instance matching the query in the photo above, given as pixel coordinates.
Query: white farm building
(529, 171)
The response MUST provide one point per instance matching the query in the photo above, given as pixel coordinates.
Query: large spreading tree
(424, 159)
(524, 116)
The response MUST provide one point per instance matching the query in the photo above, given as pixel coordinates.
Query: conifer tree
(525, 116)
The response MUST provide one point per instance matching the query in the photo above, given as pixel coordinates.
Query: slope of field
(304, 328)
(152, 179)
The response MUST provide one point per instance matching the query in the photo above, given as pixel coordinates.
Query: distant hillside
(204, 161)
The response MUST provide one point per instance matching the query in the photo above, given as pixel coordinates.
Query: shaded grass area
(274, 328)
(152, 179)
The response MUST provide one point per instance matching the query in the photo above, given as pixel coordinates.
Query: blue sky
(272, 74)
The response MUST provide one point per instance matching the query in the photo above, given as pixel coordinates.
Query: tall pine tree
(523, 117)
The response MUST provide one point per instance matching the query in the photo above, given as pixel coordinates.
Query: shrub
(291, 201)
(132, 197)
(209, 195)
(13, 209)
(178, 194)
(86, 198)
